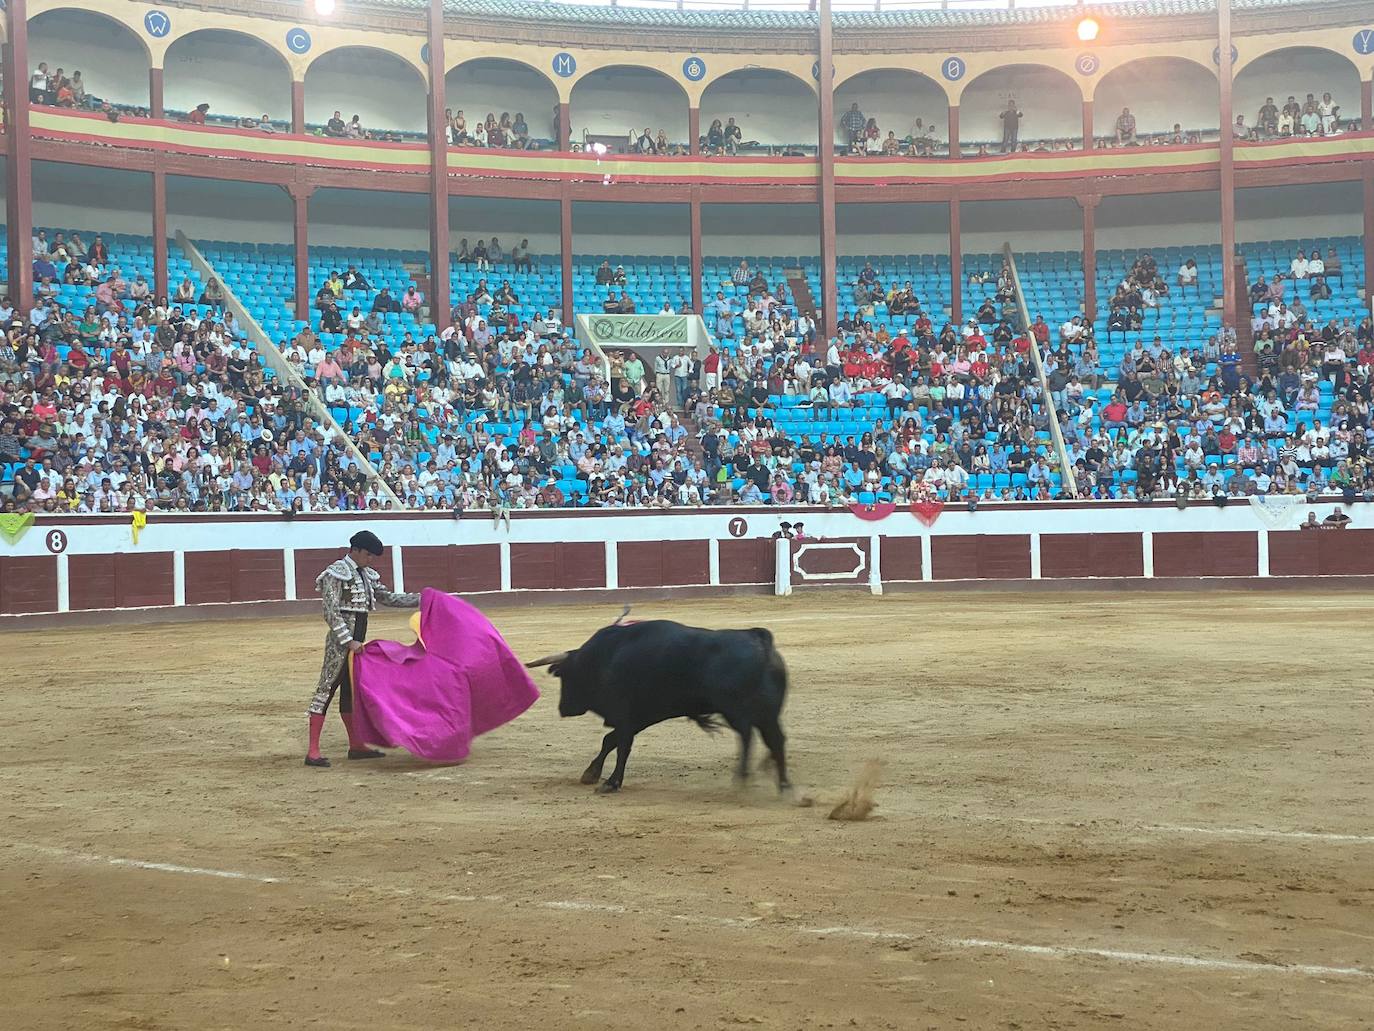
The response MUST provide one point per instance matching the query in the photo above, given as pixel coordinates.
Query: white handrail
(1065, 467)
(277, 362)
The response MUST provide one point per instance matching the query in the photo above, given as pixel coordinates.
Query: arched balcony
(776, 111)
(384, 92)
(239, 76)
(913, 108)
(111, 61)
(617, 105)
(1167, 99)
(1049, 104)
(1296, 78)
(494, 84)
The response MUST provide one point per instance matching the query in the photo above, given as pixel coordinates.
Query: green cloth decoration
(14, 525)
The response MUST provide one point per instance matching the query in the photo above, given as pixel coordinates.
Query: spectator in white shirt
(956, 479)
(1328, 111)
(1299, 268)
(1187, 273)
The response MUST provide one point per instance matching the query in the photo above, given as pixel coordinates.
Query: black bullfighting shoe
(365, 753)
(321, 761)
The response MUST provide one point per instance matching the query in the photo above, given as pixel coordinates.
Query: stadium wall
(117, 201)
(84, 564)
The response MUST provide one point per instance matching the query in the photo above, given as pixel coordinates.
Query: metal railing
(276, 361)
(1057, 437)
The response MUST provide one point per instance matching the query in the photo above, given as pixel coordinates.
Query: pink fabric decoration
(433, 697)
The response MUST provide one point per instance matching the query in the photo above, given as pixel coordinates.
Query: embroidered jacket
(348, 589)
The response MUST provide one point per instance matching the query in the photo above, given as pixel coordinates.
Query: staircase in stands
(801, 291)
(1240, 318)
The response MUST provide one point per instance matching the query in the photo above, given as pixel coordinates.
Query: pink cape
(433, 697)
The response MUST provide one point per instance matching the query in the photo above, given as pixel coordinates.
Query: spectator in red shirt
(45, 408)
(120, 358)
(165, 385)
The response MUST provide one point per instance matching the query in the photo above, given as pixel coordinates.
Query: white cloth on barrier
(1277, 511)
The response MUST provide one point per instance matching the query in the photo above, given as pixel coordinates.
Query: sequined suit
(349, 593)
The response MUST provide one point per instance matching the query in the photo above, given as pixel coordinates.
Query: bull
(634, 675)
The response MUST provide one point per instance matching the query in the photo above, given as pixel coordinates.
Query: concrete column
(1089, 205)
(438, 174)
(300, 197)
(160, 286)
(954, 149)
(1369, 234)
(1228, 167)
(695, 232)
(826, 154)
(564, 126)
(19, 163)
(298, 108)
(694, 130)
(566, 237)
(155, 108)
(1088, 125)
(956, 265)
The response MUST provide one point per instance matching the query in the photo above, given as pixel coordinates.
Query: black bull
(637, 674)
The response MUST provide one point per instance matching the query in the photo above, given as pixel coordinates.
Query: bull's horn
(547, 660)
(621, 618)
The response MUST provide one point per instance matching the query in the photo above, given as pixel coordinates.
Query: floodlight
(1088, 29)
(324, 7)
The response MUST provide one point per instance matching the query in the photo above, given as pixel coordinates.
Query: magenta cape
(433, 697)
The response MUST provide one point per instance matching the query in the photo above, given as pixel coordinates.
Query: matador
(350, 589)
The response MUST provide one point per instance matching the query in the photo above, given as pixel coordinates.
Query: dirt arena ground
(1097, 810)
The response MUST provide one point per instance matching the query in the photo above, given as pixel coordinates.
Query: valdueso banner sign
(631, 330)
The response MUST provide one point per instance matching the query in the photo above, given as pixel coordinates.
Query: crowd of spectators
(1311, 117)
(505, 132)
(1192, 423)
(501, 413)
(136, 403)
(55, 88)
(1126, 133)
(864, 137)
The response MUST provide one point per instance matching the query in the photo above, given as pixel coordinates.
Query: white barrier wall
(90, 563)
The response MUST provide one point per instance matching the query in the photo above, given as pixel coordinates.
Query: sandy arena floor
(1097, 810)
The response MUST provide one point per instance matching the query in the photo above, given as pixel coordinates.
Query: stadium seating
(417, 410)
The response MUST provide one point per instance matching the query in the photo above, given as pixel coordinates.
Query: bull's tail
(708, 723)
(776, 669)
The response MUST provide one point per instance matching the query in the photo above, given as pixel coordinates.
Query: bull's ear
(549, 660)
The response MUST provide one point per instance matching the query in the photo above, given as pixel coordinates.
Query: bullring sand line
(1170, 828)
(1260, 833)
(1240, 966)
